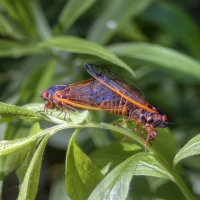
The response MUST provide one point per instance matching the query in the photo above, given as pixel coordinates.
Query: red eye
(164, 118)
(44, 94)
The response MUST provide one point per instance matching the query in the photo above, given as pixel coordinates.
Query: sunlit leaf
(162, 56)
(29, 186)
(21, 170)
(116, 184)
(151, 165)
(77, 45)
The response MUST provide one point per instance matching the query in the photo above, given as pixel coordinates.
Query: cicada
(109, 92)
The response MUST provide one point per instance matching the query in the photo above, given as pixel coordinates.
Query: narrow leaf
(76, 45)
(165, 57)
(14, 49)
(41, 24)
(70, 13)
(30, 183)
(21, 170)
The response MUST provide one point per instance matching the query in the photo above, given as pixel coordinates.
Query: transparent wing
(119, 85)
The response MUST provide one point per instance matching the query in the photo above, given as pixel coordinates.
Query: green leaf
(17, 155)
(30, 183)
(114, 17)
(21, 170)
(190, 149)
(14, 49)
(165, 57)
(11, 111)
(41, 24)
(9, 146)
(20, 12)
(116, 184)
(82, 175)
(152, 165)
(72, 10)
(76, 45)
(10, 29)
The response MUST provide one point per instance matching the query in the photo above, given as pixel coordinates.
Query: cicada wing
(119, 85)
(91, 94)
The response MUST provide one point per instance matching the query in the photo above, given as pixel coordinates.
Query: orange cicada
(109, 92)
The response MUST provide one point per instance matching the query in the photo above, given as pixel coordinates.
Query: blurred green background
(29, 64)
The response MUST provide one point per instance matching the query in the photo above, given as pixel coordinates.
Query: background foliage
(153, 44)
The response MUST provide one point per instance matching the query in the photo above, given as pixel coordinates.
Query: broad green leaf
(14, 49)
(152, 165)
(165, 57)
(114, 17)
(116, 184)
(190, 149)
(44, 74)
(81, 174)
(11, 111)
(72, 10)
(29, 186)
(77, 45)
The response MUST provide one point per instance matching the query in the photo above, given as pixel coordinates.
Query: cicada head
(49, 95)
(159, 120)
(49, 92)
